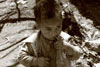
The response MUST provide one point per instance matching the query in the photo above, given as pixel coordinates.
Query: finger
(46, 64)
(41, 66)
(47, 59)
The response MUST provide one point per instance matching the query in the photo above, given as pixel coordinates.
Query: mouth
(54, 38)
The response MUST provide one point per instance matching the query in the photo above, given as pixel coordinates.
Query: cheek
(45, 33)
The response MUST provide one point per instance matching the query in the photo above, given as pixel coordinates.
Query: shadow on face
(51, 28)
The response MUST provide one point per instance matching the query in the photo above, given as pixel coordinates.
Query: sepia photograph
(49, 33)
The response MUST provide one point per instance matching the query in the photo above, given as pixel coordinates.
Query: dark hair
(46, 8)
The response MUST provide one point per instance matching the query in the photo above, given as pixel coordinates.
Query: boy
(46, 47)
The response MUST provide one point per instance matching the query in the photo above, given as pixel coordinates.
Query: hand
(59, 45)
(43, 62)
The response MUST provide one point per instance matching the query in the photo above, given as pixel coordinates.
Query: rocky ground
(13, 31)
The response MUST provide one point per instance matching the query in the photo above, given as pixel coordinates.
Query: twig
(18, 10)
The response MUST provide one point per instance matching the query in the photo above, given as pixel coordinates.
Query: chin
(52, 38)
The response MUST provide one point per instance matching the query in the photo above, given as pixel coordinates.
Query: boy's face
(51, 28)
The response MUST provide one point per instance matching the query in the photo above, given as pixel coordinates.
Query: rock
(2, 1)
